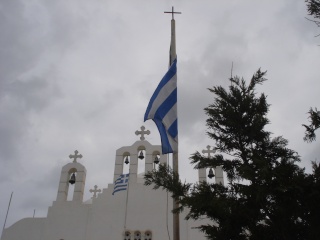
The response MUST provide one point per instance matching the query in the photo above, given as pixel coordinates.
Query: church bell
(141, 155)
(210, 175)
(72, 179)
(126, 161)
(156, 160)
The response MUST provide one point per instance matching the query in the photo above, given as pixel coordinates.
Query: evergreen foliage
(267, 196)
(313, 7)
(314, 116)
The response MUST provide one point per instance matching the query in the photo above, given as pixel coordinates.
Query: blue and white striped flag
(162, 109)
(121, 183)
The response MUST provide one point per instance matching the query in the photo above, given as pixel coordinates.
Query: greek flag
(121, 183)
(162, 109)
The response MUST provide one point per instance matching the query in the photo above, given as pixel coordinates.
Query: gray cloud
(79, 75)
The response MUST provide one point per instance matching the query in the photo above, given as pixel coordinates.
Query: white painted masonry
(140, 213)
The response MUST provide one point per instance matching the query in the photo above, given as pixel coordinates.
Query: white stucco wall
(104, 219)
(108, 216)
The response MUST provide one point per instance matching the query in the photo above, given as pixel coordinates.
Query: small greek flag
(121, 183)
(162, 109)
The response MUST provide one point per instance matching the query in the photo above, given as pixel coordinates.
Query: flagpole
(5, 221)
(175, 156)
(176, 221)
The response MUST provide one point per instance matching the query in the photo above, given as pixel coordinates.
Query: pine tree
(310, 134)
(313, 7)
(264, 197)
(312, 183)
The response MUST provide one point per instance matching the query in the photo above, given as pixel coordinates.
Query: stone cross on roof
(95, 191)
(75, 156)
(142, 132)
(209, 151)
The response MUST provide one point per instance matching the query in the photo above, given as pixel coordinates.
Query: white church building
(137, 212)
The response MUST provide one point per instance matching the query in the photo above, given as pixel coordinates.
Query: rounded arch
(80, 179)
(141, 147)
(125, 154)
(154, 153)
(72, 170)
(127, 235)
(148, 235)
(137, 235)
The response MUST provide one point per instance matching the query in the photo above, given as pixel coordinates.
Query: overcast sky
(79, 74)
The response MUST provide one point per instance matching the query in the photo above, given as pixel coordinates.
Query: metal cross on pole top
(95, 190)
(75, 156)
(209, 151)
(173, 12)
(142, 132)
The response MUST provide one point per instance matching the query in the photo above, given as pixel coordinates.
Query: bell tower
(132, 154)
(218, 172)
(72, 173)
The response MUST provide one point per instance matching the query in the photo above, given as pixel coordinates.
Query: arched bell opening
(141, 151)
(156, 160)
(126, 162)
(72, 182)
(72, 179)
(210, 173)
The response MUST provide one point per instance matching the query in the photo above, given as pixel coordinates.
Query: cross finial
(75, 156)
(209, 151)
(142, 132)
(173, 12)
(95, 191)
